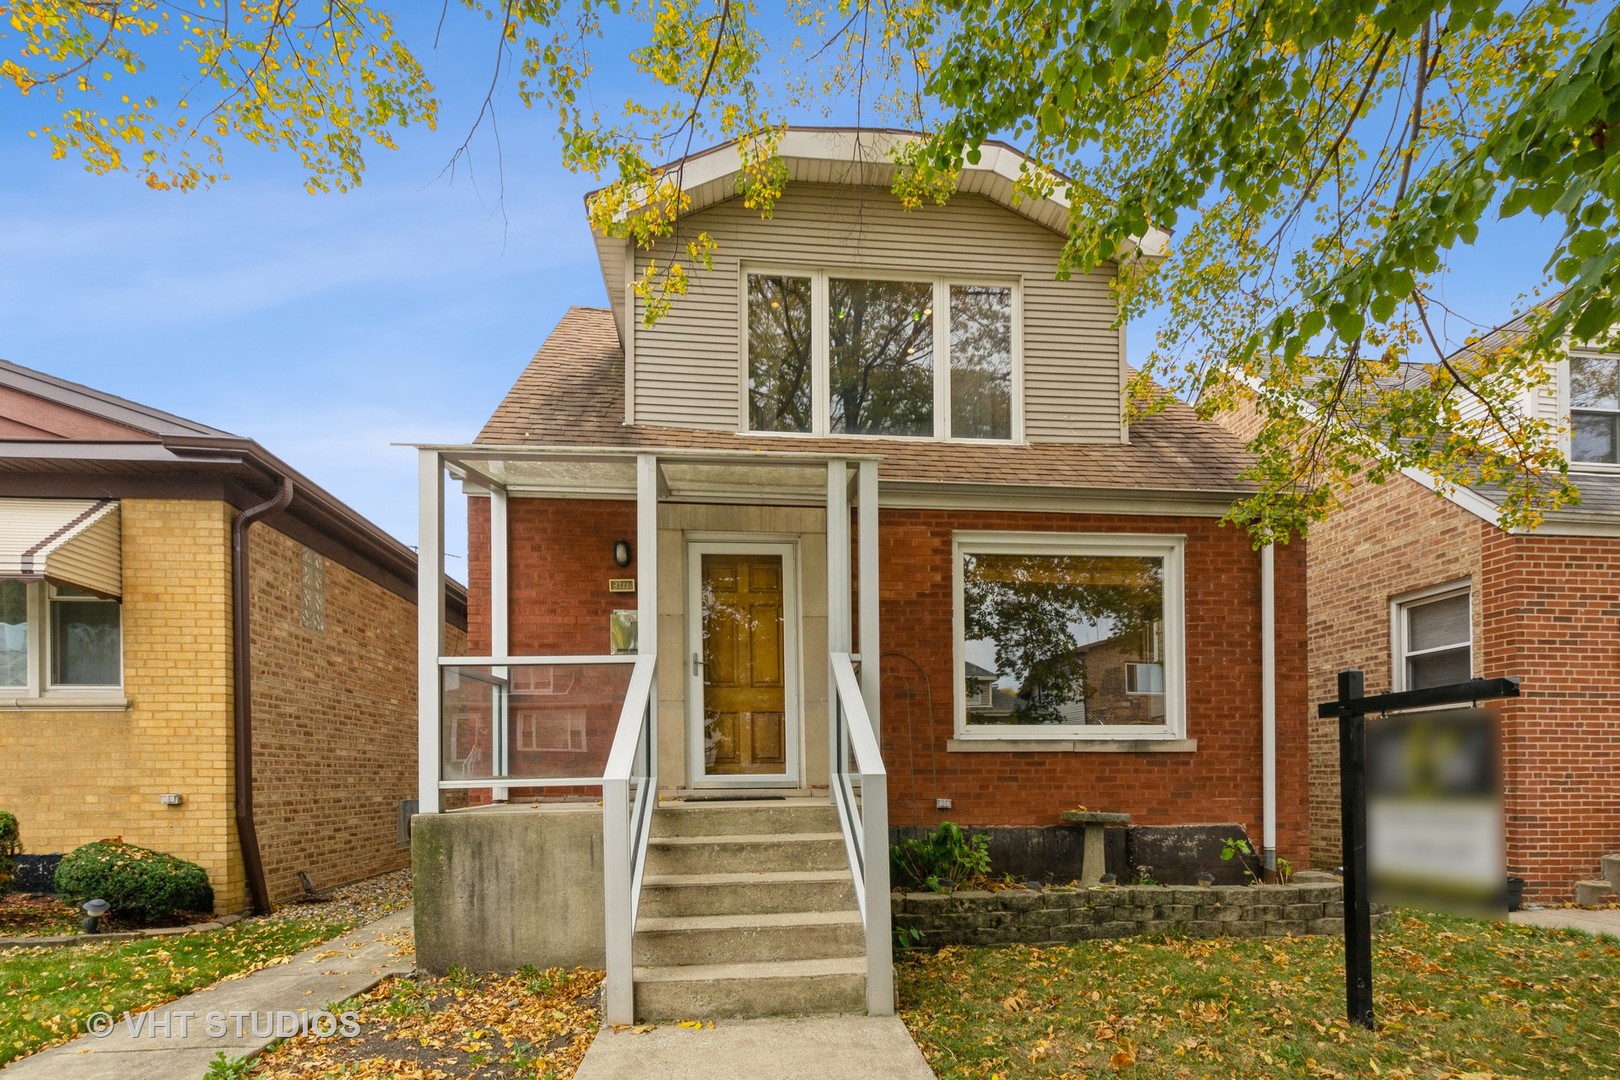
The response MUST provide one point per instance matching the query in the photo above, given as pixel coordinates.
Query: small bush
(138, 882)
(10, 848)
(946, 853)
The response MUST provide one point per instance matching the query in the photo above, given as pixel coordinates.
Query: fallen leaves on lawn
(533, 1023)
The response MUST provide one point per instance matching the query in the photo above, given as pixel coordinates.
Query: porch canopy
(648, 476)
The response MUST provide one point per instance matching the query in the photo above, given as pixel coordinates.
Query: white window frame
(1566, 399)
(40, 686)
(1398, 608)
(821, 349)
(1170, 548)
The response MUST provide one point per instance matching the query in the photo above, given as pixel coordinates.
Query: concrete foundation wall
(497, 888)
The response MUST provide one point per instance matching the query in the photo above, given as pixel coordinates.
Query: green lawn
(1455, 999)
(46, 994)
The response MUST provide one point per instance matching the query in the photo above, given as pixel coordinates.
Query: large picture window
(1594, 409)
(841, 354)
(1063, 636)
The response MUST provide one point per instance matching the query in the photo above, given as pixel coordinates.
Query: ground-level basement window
(58, 637)
(1066, 636)
(1433, 638)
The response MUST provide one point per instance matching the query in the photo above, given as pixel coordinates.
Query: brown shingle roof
(572, 394)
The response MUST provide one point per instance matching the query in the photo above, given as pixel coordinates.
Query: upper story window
(840, 354)
(1594, 409)
(59, 638)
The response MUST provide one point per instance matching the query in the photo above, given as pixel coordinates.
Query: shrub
(10, 848)
(138, 882)
(947, 852)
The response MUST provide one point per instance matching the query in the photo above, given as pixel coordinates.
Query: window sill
(1071, 746)
(66, 703)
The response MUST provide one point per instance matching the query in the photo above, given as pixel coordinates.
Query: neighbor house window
(1433, 639)
(1069, 636)
(58, 637)
(848, 355)
(1594, 409)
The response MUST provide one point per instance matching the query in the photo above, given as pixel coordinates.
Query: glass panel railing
(540, 721)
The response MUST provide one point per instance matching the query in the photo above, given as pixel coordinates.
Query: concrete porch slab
(1598, 921)
(798, 1048)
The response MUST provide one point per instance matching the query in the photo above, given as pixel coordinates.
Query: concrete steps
(748, 909)
(1599, 891)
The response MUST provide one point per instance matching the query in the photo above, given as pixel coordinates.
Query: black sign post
(1352, 709)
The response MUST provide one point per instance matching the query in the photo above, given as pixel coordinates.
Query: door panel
(744, 689)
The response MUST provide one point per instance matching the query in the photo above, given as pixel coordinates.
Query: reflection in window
(1594, 418)
(981, 362)
(85, 639)
(779, 343)
(881, 339)
(13, 633)
(1063, 639)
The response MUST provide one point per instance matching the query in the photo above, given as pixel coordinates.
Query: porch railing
(629, 794)
(570, 725)
(860, 789)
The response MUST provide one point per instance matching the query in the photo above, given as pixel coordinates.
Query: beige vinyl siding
(688, 368)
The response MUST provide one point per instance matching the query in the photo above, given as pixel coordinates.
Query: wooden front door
(742, 663)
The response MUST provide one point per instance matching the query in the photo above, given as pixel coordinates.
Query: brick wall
(1553, 608)
(334, 719)
(75, 777)
(1384, 541)
(1220, 782)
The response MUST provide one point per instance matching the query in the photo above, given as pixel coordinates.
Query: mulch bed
(31, 915)
(492, 1027)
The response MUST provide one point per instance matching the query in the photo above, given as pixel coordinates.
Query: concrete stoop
(1599, 891)
(748, 909)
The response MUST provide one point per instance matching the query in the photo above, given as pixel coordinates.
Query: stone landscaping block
(1115, 929)
(1334, 910)
(1203, 928)
(1176, 912)
(1264, 913)
(1302, 912)
(1045, 917)
(1223, 913)
(927, 902)
(1186, 894)
(1319, 894)
(970, 900)
(1019, 899)
(1333, 927)
(1283, 928)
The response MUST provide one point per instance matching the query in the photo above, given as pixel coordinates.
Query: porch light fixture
(93, 911)
(621, 553)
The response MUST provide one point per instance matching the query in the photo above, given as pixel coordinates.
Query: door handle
(697, 663)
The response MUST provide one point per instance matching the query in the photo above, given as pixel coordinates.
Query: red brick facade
(1545, 609)
(561, 556)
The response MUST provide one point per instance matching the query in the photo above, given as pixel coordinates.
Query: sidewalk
(173, 1041)
(1593, 921)
(803, 1048)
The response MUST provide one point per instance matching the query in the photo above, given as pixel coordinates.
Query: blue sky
(329, 327)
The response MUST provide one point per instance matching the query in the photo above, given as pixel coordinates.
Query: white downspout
(1268, 708)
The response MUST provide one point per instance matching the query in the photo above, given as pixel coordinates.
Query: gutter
(1268, 710)
(242, 670)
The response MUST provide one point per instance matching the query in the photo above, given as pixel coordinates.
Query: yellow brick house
(201, 651)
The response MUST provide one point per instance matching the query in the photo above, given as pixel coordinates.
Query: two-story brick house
(1420, 589)
(870, 470)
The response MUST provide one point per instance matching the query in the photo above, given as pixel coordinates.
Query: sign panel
(1434, 811)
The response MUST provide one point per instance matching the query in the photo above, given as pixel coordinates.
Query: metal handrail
(865, 824)
(632, 760)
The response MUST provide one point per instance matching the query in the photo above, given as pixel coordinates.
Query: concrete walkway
(803, 1048)
(174, 1041)
(1593, 921)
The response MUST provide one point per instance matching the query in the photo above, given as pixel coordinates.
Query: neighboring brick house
(922, 385)
(1420, 589)
(118, 684)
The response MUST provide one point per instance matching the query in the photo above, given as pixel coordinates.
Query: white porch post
(429, 627)
(867, 511)
(647, 556)
(838, 615)
(499, 616)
